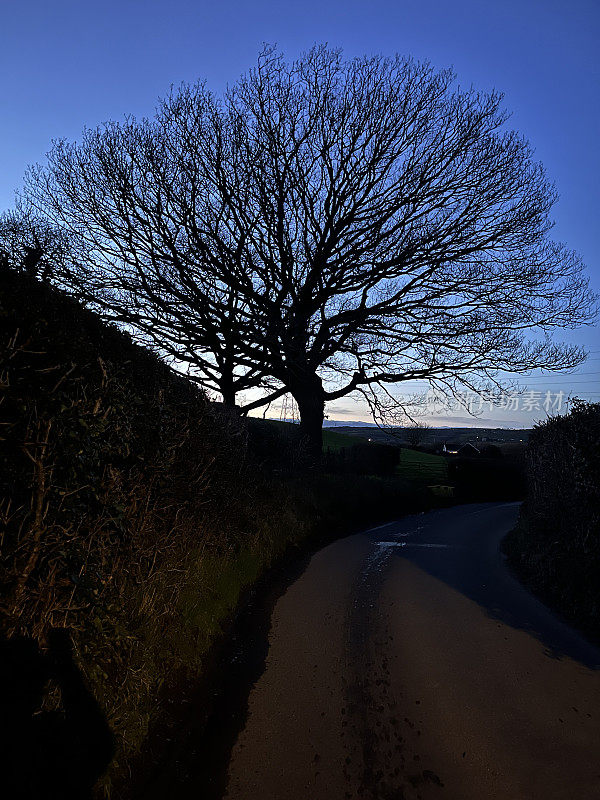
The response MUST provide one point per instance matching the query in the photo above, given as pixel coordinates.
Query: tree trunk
(311, 405)
(227, 389)
(228, 398)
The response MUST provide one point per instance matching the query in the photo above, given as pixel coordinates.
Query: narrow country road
(406, 662)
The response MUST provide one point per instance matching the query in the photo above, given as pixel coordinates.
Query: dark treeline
(556, 547)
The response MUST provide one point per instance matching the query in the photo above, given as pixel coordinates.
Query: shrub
(556, 545)
(276, 447)
(368, 458)
(135, 512)
(486, 479)
(115, 476)
(563, 463)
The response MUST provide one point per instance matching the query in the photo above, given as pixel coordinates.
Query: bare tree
(414, 434)
(138, 211)
(327, 227)
(30, 244)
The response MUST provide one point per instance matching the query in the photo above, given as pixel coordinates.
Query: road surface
(407, 662)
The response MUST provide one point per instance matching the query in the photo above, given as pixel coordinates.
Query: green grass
(213, 591)
(336, 441)
(422, 468)
(332, 439)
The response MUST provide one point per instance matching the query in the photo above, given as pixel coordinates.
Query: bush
(491, 451)
(276, 447)
(98, 438)
(135, 512)
(481, 479)
(556, 546)
(563, 462)
(116, 475)
(368, 458)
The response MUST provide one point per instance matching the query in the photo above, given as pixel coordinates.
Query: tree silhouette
(414, 434)
(30, 244)
(326, 227)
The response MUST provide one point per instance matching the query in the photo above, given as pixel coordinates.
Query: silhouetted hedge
(117, 476)
(98, 437)
(556, 546)
(481, 479)
(276, 447)
(134, 512)
(368, 458)
(491, 451)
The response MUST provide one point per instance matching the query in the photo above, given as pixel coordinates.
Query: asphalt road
(407, 662)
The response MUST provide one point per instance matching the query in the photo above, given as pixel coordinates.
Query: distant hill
(437, 436)
(338, 423)
(334, 423)
(430, 436)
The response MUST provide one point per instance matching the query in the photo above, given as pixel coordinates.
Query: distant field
(336, 441)
(419, 468)
(437, 436)
(422, 467)
(332, 439)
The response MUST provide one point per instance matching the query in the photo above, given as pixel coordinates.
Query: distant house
(450, 449)
(467, 449)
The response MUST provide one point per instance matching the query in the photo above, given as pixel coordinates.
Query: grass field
(336, 441)
(422, 468)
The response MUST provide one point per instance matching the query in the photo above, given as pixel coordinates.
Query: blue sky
(67, 64)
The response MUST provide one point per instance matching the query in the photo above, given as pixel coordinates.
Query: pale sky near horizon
(68, 64)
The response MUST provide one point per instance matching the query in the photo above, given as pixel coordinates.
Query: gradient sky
(70, 64)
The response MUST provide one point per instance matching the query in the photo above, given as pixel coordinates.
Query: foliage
(491, 451)
(556, 547)
(482, 478)
(363, 458)
(276, 446)
(563, 457)
(114, 476)
(135, 513)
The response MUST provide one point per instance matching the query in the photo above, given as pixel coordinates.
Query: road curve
(407, 662)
